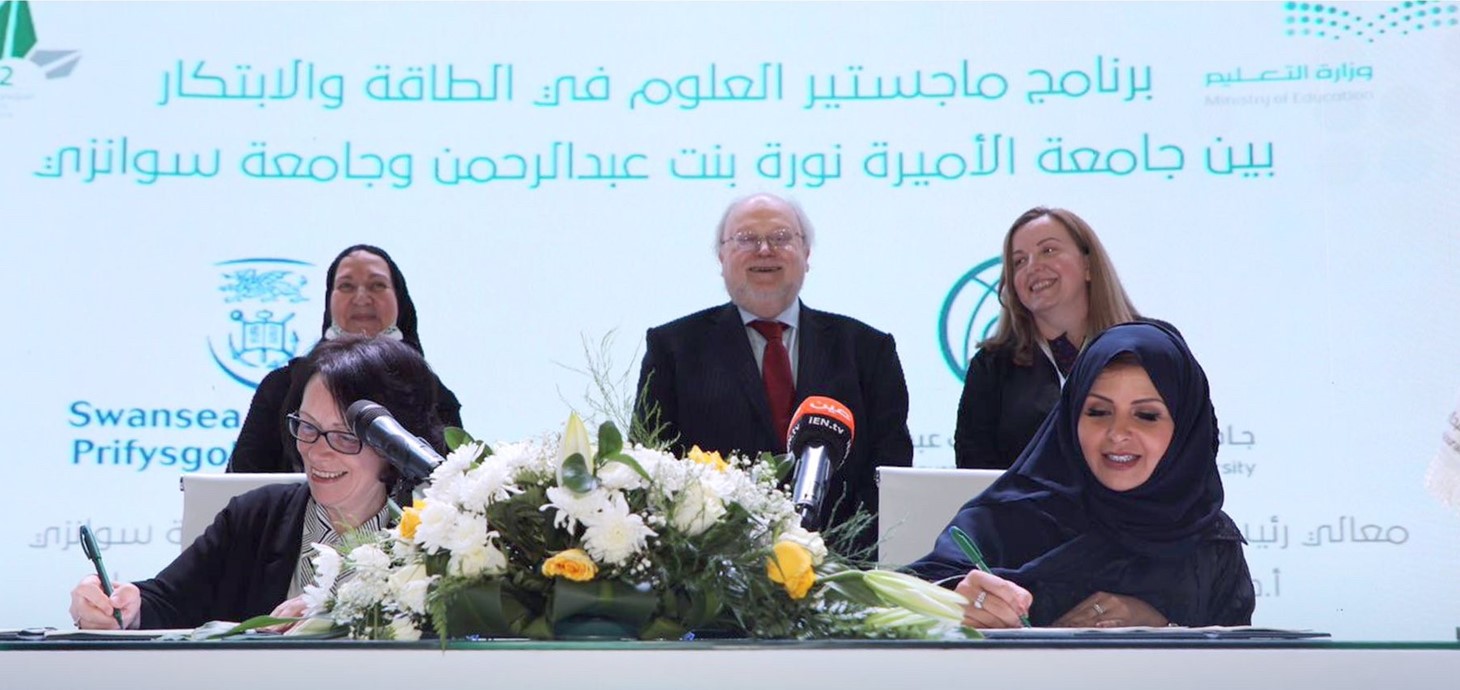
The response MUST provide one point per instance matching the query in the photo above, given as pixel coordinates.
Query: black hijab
(406, 309)
(1048, 517)
(300, 371)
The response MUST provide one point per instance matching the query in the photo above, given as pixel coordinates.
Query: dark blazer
(263, 442)
(1002, 406)
(240, 567)
(701, 372)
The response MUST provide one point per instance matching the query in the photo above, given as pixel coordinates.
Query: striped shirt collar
(319, 529)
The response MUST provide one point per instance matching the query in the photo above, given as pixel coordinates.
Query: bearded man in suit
(718, 377)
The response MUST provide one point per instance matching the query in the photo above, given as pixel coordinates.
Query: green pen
(970, 550)
(88, 545)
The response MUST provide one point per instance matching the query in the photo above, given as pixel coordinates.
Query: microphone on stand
(820, 437)
(413, 458)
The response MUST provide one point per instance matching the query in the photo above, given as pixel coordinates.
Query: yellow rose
(573, 564)
(790, 566)
(410, 519)
(711, 458)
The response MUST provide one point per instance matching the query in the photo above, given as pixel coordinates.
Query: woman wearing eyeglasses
(257, 556)
(365, 293)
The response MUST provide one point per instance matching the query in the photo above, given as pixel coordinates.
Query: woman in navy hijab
(1112, 516)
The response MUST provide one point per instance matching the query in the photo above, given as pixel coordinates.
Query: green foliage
(610, 442)
(578, 477)
(647, 426)
(702, 571)
(781, 464)
(456, 437)
(842, 539)
(630, 461)
(533, 535)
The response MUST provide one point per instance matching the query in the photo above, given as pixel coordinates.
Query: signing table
(709, 664)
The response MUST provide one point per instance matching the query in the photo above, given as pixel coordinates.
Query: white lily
(919, 624)
(916, 594)
(575, 440)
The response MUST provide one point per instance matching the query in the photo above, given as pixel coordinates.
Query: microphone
(407, 453)
(820, 437)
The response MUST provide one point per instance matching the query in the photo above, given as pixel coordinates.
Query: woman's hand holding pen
(1106, 610)
(993, 601)
(91, 608)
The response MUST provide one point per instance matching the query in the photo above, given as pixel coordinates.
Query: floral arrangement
(564, 537)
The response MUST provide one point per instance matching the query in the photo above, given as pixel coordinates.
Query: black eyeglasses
(342, 441)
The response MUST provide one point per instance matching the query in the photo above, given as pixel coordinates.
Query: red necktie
(775, 370)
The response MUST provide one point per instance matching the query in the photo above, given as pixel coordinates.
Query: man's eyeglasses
(780, 240)
(342, 441)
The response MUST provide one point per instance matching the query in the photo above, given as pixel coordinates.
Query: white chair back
(206, 494)
(917, 503)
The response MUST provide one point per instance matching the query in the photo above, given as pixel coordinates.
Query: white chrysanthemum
(490, 482)
(528, 456)
(409, 585)
(572, 507)
(327, 564)
(513, 454)
(698, 508)
(437, 520)
(459, 460)
(478, 560)
(447, 478)
(617, 476)
(369, 560)
(467, 532)
(445, 488)
(615, 534)
(648, 458)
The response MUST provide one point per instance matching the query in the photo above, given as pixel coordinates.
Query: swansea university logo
(970, 313)
(256, 330)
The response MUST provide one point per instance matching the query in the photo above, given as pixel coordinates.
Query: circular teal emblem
(255, 331)
(970, 313)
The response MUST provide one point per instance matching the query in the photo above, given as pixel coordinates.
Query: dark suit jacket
(264, 444)
(1002, 406)
(700, 371)
(240, 567)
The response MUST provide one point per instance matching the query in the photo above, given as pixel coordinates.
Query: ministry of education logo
(970, 313)
(256, 330)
